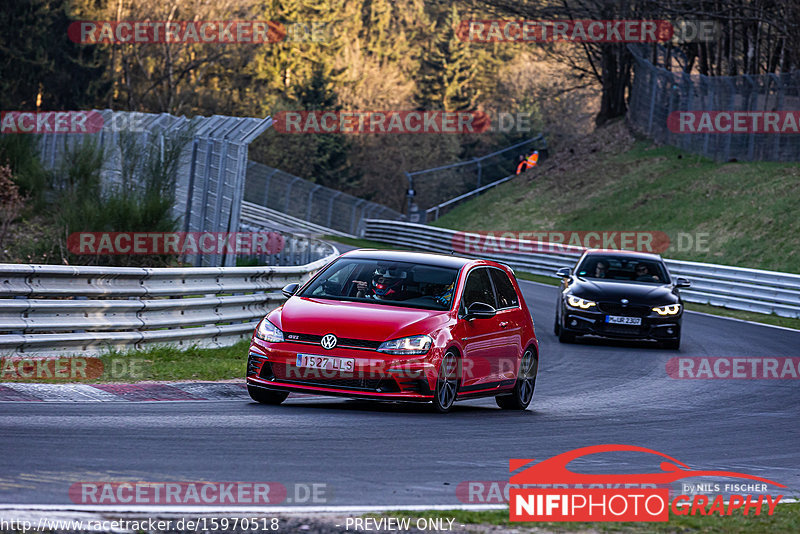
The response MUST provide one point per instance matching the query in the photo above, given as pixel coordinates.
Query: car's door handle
(503, 324)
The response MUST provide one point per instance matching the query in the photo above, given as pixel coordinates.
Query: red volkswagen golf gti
(399, 326)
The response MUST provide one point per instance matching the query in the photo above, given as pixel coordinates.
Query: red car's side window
(506, 294)
(478, 288)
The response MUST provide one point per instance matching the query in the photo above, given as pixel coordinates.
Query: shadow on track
(367, 406)
(611, 342)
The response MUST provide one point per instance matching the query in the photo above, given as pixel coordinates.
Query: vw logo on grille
(328, 341)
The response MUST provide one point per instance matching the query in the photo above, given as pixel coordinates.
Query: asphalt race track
(587, 393)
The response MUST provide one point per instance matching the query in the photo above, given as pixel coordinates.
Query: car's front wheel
(521, 397)
(446, 383)
(564, 336)
(266, 396)
(561, 332)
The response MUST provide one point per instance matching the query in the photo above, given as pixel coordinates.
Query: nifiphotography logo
(572, 496)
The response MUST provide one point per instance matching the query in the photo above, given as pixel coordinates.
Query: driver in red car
(386, 283)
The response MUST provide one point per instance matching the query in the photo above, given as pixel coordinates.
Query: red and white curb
(158, 391)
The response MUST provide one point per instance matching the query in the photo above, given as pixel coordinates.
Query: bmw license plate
(618, 319)
(326, 363)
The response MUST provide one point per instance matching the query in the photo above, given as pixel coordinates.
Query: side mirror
(290, 289)
(479, 310)
(682, 283)
(564, 272)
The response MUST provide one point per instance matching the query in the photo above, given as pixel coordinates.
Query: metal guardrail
(432, 214)
(719, 285)
(54, 310)
(441, 186)
(257, 216)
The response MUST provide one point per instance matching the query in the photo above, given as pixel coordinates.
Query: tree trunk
(616, 70)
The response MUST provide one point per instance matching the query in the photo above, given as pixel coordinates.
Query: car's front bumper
(376, 375)
(585, 322)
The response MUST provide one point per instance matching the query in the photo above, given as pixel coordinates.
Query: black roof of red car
(426, 258)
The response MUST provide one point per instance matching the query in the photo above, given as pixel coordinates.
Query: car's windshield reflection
(386, 282)
(618, 268)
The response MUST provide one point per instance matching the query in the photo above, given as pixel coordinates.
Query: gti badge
(328, 341)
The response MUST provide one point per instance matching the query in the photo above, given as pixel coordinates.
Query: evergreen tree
(40, 68)
(328, 152)
(453, 74)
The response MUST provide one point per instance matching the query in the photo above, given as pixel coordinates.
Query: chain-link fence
(210, 173)
(311, 202)
(436, 186)
(657, 94)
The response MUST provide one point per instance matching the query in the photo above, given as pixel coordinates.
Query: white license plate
(326, 363)
(618, 319)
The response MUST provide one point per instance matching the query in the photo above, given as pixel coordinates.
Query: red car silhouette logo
(554, 470)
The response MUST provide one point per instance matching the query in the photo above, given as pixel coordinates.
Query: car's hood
(614, 291)
(355, 320)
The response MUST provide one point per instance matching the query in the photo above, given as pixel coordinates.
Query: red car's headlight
(407, 345)
(267, 331)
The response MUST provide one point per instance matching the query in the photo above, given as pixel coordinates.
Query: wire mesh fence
(311, 202)
(721, 117)
(436, 186)
(209, 174)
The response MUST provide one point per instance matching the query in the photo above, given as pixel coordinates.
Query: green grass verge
(785, 519)
(542, 279)
(158, 363)
(787, 322)
(360, 243)
(748, 210)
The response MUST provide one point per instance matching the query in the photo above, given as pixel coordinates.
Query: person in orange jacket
(528, 163)
(521, 164)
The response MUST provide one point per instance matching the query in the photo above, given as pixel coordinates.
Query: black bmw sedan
(619, 294)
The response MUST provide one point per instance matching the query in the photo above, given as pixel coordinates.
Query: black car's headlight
(267, 331)
(669, 309)
(407, 345)
(577, 302)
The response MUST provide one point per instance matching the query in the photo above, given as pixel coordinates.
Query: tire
(266, 396)
(446, 383)
(672, 344)
(557, 326)
(522, 395)
(564, 336)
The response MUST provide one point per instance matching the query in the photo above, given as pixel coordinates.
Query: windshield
(621, 268)
(386, 282)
